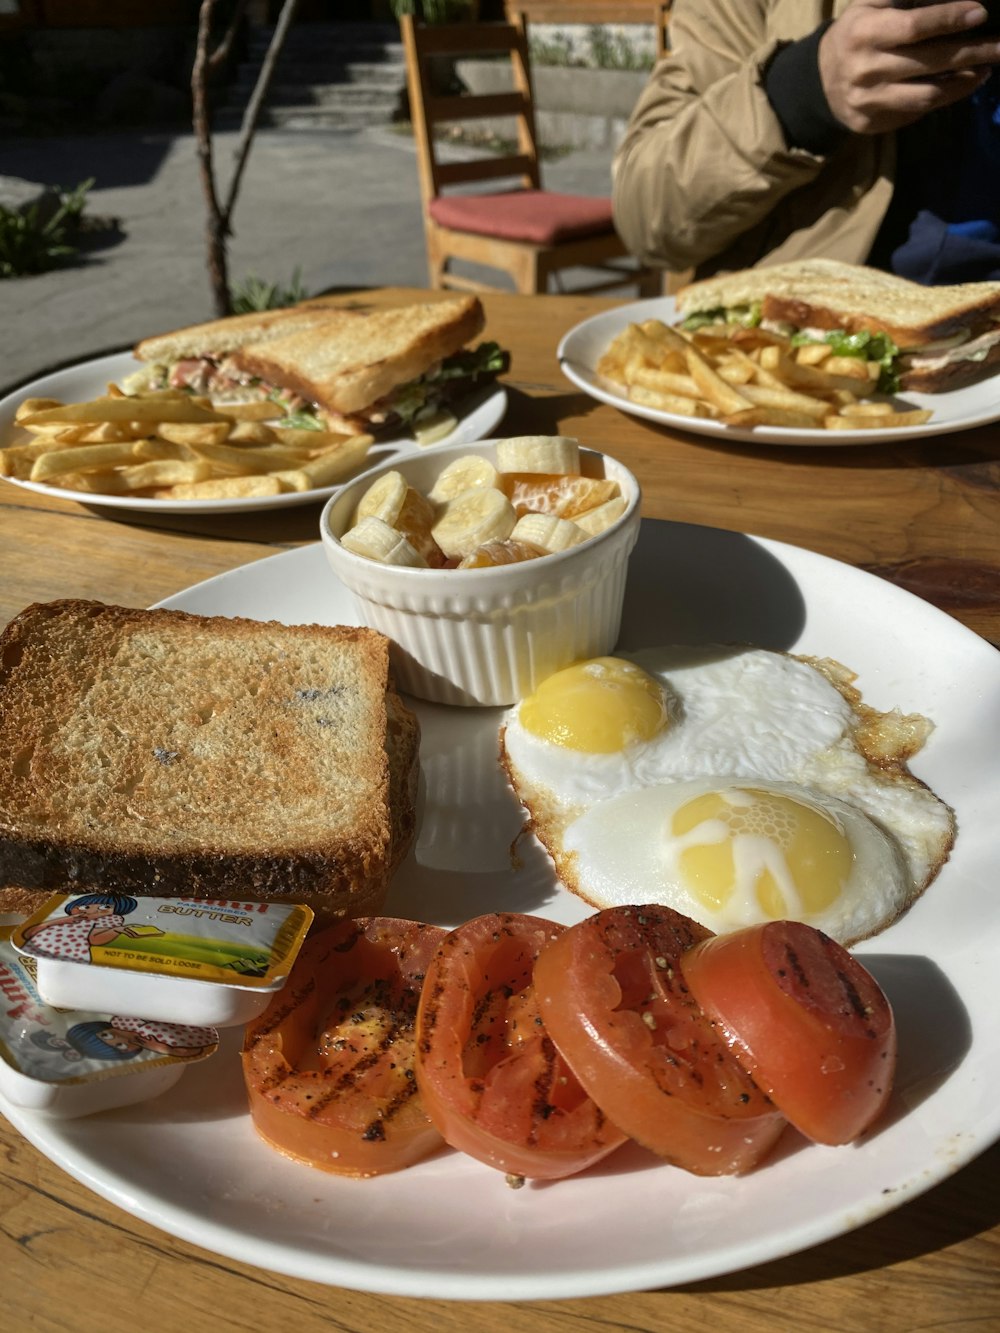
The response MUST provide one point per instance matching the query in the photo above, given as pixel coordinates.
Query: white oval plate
(481, 413)
(582, 347)
(190, 1163)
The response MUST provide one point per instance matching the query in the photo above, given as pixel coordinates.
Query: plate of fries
(75, 434)
(751, 384)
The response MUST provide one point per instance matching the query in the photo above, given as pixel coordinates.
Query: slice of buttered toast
(162, 752)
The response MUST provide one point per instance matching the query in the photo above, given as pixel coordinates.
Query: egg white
(623, 851)
(751, 714)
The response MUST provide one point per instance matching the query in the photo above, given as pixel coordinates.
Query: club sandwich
(328, 367)
(926, 339)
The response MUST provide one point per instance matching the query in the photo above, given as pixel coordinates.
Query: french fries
(747, 378)
(169, 445)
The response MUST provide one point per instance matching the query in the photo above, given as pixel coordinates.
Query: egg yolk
(747, 846)
(599, 706)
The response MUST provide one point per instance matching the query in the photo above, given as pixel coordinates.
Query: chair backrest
(425, 47)
(656, 12)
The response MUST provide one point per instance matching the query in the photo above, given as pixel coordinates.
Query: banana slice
(374, 538)
(550, 533)
(464, 474)
(383, 499)
(434, 428)
(472, 519)
(601, 516)
(539, 453)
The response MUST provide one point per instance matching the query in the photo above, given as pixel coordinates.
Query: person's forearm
(794, 87)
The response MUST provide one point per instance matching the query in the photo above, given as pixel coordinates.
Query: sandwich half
(156, 752)
(329, 367)
(926, 339)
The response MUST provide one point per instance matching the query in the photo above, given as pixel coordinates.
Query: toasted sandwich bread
(341, 368)
(354, 361)
(947, 336)
(219, 337)
(161, 752)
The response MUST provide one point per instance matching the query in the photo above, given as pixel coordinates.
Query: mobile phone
(990, 28)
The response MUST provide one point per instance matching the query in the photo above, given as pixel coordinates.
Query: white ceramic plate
(190, 1164)
(480, 414)
(582, 347)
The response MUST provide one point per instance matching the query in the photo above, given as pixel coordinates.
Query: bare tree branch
(217, 228)
(252, 112)
(221, 54)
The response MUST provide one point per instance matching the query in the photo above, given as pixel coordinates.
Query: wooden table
(924, 514)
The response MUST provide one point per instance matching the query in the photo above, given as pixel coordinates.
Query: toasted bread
(219, 337)
(948, 336)
(162, 752)
(824, 293)
(353, 359)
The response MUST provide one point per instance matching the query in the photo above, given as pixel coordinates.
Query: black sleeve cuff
(795, 91)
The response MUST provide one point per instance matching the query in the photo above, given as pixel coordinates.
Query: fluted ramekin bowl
(487, 637)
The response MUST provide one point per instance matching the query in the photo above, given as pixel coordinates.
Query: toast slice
(851, 296)
(162, 752)
(219, 337)
(355, 359)
(947, 336)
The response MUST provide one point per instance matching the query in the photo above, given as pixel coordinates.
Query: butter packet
(73, 1063)
(184, 960)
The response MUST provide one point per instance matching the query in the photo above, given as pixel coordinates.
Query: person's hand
(883, 67)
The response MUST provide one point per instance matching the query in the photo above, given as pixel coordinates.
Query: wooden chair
(527, 232)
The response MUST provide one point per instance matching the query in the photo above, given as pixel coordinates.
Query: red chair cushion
(537, 216)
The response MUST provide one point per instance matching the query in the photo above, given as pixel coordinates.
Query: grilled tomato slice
(489, 1075)
(805, 1019)
(613, 1000)
(329, 1064)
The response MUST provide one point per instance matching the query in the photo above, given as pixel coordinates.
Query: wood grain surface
(924, 514)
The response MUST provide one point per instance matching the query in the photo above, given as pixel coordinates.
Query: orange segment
(564, 496)
(500, 553)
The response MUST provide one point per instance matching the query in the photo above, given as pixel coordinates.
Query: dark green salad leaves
(488, 359)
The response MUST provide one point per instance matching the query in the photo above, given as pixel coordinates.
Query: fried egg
(733, 786)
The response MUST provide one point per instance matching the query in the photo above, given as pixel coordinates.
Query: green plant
(30, 242)
(613, 50)
(606, 50)
(554, 50)
(435, 11)
(254, 293)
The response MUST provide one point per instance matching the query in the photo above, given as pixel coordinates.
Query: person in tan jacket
(783, 129)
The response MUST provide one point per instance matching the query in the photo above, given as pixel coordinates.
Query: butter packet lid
(74, 1062)
(250, 945)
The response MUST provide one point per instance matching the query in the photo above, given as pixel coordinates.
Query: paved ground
(341, 206)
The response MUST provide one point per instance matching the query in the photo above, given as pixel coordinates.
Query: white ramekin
(487, 636)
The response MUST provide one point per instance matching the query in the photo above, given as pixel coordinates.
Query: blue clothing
(944, 222)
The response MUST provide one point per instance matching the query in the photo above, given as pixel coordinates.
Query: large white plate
(479, 415)
(189, 1161)
(582, 347)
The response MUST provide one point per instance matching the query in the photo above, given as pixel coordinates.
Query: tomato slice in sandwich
(808, 1021)
(613, 999)
(328, 1065)
(489, 1075)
